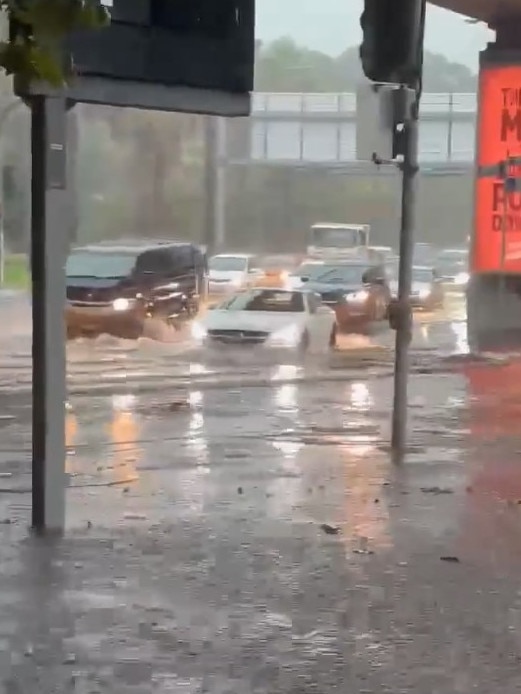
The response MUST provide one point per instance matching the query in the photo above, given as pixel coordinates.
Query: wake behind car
(270, 319)
(358, 293)
(125, 288)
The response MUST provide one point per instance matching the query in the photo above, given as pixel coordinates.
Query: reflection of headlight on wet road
(121, 304)
(461, 279)
(287, 337)
(199, 332)
(357, 297)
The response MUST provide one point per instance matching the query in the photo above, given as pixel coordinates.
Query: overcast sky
(333, 25)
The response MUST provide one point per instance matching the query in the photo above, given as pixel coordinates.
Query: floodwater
(248, 530)
(107, 362)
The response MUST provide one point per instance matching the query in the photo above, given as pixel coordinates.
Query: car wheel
(333, 337)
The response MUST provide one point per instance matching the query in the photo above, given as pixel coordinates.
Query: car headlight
(358, 297)
(293, 282)
(424, 293)
(121, 304)
(287, 336)
(199, 332)
(236, 281)
(462, 278)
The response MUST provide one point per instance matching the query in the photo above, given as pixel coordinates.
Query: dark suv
(122, 288)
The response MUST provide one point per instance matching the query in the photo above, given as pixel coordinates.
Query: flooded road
(110, 364)
(253, 535)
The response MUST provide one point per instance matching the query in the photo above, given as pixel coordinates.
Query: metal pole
(408, 222)
(210, 185)
(404, 329)
(220, 187)
(73, 135)
(49, 241)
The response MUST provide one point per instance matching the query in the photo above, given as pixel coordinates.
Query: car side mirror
(304, 279)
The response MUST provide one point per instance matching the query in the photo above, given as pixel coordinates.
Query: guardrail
(263, 103)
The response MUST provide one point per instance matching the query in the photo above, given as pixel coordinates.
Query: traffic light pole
(391, 52)
(404, 326)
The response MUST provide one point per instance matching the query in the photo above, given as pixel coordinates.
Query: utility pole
(50, 229)
(214, 185)
(392, 52)
(404, 311)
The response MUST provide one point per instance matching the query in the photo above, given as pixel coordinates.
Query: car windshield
(336, 274)
(266, 300)
(422, 274)
(226, 263)
(306, 269)
(99, 265)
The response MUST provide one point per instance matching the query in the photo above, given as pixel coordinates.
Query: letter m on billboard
(510, 124)
(177, 55)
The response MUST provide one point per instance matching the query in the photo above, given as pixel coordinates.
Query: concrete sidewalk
(204, 567)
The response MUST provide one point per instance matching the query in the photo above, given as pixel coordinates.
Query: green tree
(284, 66)
(33, 50)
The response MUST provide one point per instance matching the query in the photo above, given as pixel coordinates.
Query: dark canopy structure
(492, 12)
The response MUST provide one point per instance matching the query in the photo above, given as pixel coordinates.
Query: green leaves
(37, 30)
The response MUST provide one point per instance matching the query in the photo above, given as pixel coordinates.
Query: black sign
(186, 55)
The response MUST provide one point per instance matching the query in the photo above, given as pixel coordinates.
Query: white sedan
(271, 318)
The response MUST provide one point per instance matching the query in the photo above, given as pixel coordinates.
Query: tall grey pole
(215, 184)
(404, 328)
(408, 222)
(210, 184)
(50, 229)
(73, 135)
(220, 192)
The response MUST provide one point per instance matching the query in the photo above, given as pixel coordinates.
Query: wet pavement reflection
(254, 535)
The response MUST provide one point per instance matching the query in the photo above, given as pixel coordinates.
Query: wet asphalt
(241, 528)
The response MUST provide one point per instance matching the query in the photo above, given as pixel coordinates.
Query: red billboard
(498, 137)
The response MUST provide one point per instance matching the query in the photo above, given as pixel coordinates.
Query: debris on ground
(329, 529)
